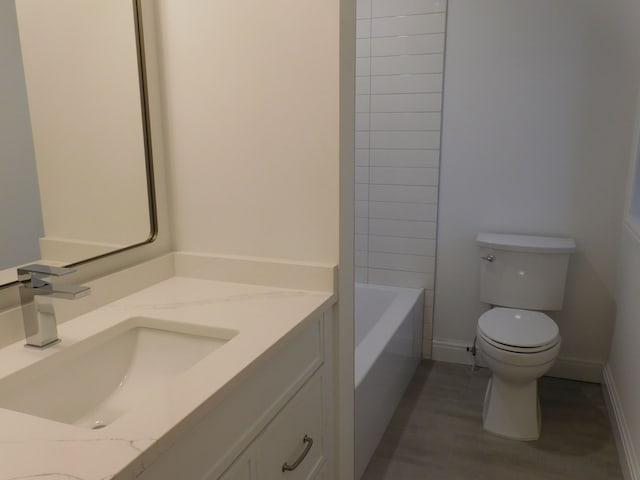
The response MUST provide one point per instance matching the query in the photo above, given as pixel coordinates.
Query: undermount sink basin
(93, 382)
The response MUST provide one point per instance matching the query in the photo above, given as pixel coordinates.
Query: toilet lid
(518, 328)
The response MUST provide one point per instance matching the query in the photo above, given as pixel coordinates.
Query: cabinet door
(320, 475)
(294, 440)
(241, 469)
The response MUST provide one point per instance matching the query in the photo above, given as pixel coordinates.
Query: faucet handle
(24, 273)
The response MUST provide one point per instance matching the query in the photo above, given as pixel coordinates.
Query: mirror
(75, 160)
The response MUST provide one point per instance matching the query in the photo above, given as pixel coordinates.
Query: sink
(93, 382)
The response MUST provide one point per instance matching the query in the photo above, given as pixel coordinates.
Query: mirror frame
(148, 151)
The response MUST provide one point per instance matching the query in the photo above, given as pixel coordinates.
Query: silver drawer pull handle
(309, 441)
(489, 258)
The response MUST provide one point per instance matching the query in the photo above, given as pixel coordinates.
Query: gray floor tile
(436, 433)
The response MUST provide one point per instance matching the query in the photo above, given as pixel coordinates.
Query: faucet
(39, 319)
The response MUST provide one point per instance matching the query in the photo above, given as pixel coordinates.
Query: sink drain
(98, 424)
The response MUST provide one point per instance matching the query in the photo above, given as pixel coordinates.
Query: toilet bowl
(519, 346)
(520, 276)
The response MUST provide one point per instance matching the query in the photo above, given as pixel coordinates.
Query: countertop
(37, 448)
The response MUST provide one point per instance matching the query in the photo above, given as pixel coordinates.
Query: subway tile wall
(399, 77)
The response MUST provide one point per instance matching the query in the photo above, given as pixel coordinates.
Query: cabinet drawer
(320, 475)
(282, 441)
(242, 469)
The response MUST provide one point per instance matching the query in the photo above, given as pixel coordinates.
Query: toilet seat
(518, 331)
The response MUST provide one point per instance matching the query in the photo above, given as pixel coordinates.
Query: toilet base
(512, 410)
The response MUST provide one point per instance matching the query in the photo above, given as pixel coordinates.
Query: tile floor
(436, 433)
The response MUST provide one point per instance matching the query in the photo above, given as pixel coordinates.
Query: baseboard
(626, 450)
(451, 351)
(574, 369)
(454, 351)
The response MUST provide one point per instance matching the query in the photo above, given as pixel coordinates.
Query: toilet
(520, 277)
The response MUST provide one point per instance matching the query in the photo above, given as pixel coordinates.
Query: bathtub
(388, 346)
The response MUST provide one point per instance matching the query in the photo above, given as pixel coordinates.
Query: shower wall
(399, 78)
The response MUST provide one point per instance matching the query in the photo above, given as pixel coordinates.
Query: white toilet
(519, 274)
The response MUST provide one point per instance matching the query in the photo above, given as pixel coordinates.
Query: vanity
(189, 378)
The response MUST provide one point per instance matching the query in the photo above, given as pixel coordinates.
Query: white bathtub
(388, 340)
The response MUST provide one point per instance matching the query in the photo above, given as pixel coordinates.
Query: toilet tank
(523, 271)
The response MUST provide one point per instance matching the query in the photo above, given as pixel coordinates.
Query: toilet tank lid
(526, 243)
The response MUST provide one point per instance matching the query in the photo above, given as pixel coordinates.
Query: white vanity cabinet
(294, 439)
(265, 419)
(242, 468)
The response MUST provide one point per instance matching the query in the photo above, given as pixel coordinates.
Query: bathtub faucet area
(40, 326)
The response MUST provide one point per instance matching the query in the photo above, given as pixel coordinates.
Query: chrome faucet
(40, 326)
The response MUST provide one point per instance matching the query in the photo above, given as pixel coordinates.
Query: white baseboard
(575, 369)
(451, 351)
(454, 351)
(626, 450)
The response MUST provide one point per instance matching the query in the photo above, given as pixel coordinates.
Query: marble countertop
(36, 448)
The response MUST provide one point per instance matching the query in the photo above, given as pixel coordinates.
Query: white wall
(253, 127)
(622, 369)
(621, 372)
(81, 72)
(399, 65)
(259, 112)
(343, 335)
(537, 121)
(20, 212)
